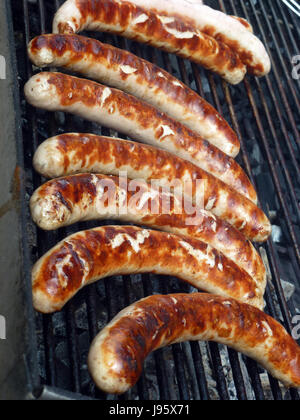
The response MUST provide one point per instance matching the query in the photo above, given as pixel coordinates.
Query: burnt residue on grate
(265, 114)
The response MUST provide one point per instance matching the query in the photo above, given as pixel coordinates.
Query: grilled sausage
(88, 256)
(117, 354)
(69, 154)
(244, 22)
(169, 34)
(123, 70)
(232, 31)
(64, 201)
(198, 2)
(188, 3)
(125, 113)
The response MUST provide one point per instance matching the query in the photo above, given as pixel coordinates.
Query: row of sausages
(185, 139)
(212, 39)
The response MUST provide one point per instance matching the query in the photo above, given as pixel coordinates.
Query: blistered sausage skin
(68, 154)
(117, 354)
(123, 70)
(233, 31)
(141, 121)
(86, 257)
(169, 34)
(64, 201)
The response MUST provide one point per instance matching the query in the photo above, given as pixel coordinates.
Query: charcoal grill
(265, 114)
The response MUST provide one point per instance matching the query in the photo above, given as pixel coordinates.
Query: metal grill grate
(265, 114)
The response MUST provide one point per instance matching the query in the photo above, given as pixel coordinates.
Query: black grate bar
(200, 372)
(189, 361)
(255, 379)
(270, 159)
(217, 368)
(273, 171)
(73, 346)
(280, 294)
(237, 375)
(278, 48)
(42, 16)
(275, 137)
(36, 180)
(164, 374)
(293, 18)
(283, 28)
(288, 29)
(275, 72)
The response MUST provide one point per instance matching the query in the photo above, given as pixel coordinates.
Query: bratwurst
(170, 34)
(125, 71)
(65, 201)
(118, 353)
(127, 114)
(68, 154)
(233, 31)
(89, 256)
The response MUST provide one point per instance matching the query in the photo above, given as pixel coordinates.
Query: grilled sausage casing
(127, 114)
(233, 31)
(64, 201)
(123, 70)
(117, 354)
(88, 256)
(169, 34)
(72, 153)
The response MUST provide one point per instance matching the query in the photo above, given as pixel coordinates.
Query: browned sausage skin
(244, 22)
(171, 35)
(123, 70)
(73, 153)
(139, 120)
(64, 201)
(233, 32)
(117, 354)
(88, 256)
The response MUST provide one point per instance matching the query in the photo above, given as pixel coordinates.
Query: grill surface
(265, 114)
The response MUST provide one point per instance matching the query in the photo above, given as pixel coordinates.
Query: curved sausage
(125, 113)
(123, 70)
(243, 21)
(233, 31)
(117, 354)
(88, 256)
(68, 154)
(169, 34)
(64, 201)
